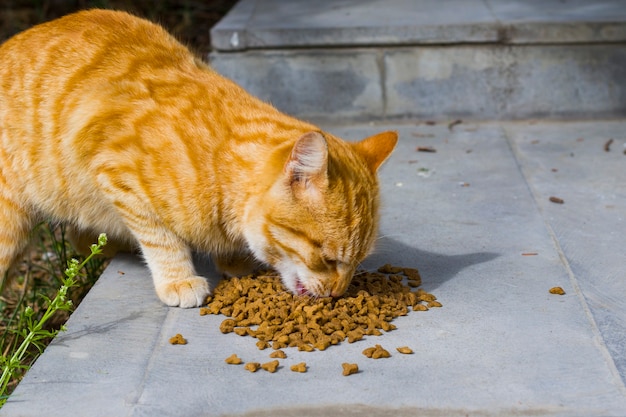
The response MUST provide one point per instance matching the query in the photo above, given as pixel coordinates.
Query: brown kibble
(380, 353)
(557, 291)
(262, 344)
(557, 200)
(405, 350)
(412, 273)
(259, 306)
(304, 347)
(227, 326)
(323, 344)
(241, 331)
(233, 359)
(355, 335)
(349, 368)
(252, 366)
(434, 304)
(300, 367)
(376, 352)
(178, 340)
(278, 354)
(271, 366)
(279, 345)
(389, 269)
(204, 311)
(424, 296)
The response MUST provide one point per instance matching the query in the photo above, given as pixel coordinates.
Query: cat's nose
(338, 290)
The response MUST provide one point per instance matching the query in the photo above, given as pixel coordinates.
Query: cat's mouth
(300, 289)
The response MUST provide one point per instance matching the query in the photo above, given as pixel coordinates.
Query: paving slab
(586, 168)
(475, 218)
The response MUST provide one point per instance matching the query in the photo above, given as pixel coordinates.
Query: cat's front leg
(173, 273)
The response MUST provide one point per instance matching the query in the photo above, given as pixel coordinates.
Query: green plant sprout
(34, 334)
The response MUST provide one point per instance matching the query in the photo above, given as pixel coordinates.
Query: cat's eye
(331, 263)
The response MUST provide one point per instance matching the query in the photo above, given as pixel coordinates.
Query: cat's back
(57, 77)
(76, 38)
(73, 89)
(84, 49)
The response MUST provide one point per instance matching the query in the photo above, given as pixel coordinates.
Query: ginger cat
(109, 124)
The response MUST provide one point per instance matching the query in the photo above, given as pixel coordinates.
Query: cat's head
(319, 219)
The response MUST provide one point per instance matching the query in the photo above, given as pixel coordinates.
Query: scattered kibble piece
(241, 331)
(349, 368)
(376, 352)
(278, 354)
(252, 366)
(233, 359)
(389, 269)
(424, 296)
(178, 340)
(557, 291)
(262, 344)
(227, 326)
(270, 366)
(304, 347)
(412, 274)
(405, 350)
(299, 367)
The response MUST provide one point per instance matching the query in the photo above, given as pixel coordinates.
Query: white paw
(185, 293)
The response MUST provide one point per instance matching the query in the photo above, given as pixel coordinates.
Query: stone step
(481, 59)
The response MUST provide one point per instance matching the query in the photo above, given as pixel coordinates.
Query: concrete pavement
(476, 219)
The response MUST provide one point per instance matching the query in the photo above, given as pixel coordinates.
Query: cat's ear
(376, 149)
(307, 166)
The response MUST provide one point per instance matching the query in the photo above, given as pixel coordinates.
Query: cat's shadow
(435, 268)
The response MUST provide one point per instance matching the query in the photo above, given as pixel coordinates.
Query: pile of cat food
(259, 306)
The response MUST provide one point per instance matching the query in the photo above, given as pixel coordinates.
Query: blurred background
(189, 20)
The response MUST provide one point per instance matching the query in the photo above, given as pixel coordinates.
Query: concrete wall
(483, 81)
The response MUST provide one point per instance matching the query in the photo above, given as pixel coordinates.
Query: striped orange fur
(109, 124)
